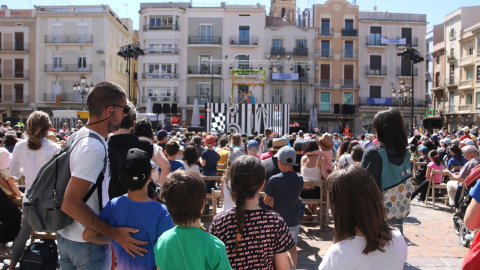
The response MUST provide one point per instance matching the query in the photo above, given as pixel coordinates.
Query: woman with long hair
(313, 169)
(434, 164)
(253, 237)
(362, 236)
(27, 159)
(342, 149)
(392, 137)
(457, 159)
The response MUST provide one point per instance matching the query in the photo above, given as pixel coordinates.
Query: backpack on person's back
(43, 201)
(41, 255)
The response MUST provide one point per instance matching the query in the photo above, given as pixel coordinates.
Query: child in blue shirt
(134, 210)
(171, 151)
(209, 161)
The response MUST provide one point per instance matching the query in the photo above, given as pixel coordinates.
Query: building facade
(382, 71)
(438, 79)
(76, 41)
(17, 62)
(337, 68)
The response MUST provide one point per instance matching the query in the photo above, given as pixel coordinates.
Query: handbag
(397, 187)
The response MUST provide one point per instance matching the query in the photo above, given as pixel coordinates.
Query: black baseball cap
(134, 168)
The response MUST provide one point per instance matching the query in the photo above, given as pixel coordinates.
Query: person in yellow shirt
(223, 151)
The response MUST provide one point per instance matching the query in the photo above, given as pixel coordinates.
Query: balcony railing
(69, 97)
(349, 32)
(465, 61)
(324, 84)
(166, 99)
(300, 51)
(375, 42)
(406, 73)
(414, 42)
(451, 81)
(203, 99)
(391, 102)
(147, 27)
(302, 78)
(467, 84)
(204, 70)
(8, 73)
(349, 54)
(207, 40)
(67, 68)
(170, 51)
(146, 75)
(68, 38)
(465, 108)
(14, 99)
(349, 84)
(325, 32)
(305, 107)
(18, 46)
(243, 41)
(277, 51)
(325, 53)
(375, 71)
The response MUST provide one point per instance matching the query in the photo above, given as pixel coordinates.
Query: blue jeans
(83, 255)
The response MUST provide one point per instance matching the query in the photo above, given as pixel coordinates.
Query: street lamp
(405, 94)
(301, 72)
(82, 88)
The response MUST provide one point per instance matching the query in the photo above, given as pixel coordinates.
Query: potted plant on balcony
(451, 58)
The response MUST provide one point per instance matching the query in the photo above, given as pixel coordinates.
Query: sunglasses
(126, 108)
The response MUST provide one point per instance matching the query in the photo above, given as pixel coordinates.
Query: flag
(401, 41)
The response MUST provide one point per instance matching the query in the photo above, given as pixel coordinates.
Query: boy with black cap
(283, 193)
(134, 210)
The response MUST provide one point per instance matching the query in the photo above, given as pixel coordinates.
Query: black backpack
(41, 255)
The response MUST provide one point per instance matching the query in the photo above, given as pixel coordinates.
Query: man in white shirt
(107, 104)
(369, 143)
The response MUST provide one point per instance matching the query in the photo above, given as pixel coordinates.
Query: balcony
(302, 78)
(375, 102)
(325, 53)
(349, 84)
(452, 81)
(68, 39)
(148, 27)
(14, 74)
(465, 108)
(300, 51)
(349, 32)
(349, 54)
(406, 73)
(146, 75)
(376, 71)
(414, 43)
(203, 99)
(18, 46)
(204, 70)
(15, 99)
(160, 99)
(304, 108)
(466, 61)
(438, 85)
(451, 59)
(242, 41)
(324, 84)
(169, 51)
(375, 42)
(325, 32)
(204, 40)
(71, 68)
(69, 97)
(466, 85)
(277, 51)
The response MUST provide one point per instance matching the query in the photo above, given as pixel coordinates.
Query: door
(57, 63)
(19, 42)
(57, 34)
(244, 35)
(325, 76)
(348, 76)
(325, 48)
(19, 68)
(375, 64)
(407, 34)
(325, 102)
(206, 34)
(82, 34)
(205, 64)
(82, 62)
(325, 30)
(300, 99)
(348, 49)
(375, 35)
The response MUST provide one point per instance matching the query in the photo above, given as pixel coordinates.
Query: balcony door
(57, 34)
(205, 65)
(82, 62)
(206, 33)
(244, 35)
(82, 34)
(57, 62)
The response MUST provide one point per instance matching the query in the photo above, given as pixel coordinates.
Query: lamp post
(81, 89)
(307, 68)
(127, 52)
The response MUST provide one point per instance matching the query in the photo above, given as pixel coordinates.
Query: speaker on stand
(174, 108)
(157, 108)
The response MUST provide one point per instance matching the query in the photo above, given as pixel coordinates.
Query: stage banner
(401, 41)
(285, 76)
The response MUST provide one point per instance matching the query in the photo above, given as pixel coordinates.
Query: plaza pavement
(432, 243)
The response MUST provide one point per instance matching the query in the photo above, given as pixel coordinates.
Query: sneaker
(470, 237)
(5, 252)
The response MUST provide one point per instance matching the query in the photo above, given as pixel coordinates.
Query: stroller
(458, 222)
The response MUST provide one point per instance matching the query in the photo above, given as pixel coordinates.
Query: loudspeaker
(174, 108)
(166, 107)
(348, 109)
(336, 108)
(157, 108)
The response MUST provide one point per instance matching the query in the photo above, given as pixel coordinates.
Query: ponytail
(240, 217)
(38, 124)
(436, 157)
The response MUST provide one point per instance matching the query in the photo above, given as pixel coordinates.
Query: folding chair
(432, 186)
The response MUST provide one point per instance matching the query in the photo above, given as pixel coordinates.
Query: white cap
(446, 141)
(466, 129)
(467, 142)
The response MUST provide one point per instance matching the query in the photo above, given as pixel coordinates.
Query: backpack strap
(392, 175)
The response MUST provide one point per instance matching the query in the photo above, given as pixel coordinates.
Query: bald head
(470, 152)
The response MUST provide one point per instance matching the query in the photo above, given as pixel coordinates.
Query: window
(451, 103)
(478, 73)
(470, 51)
(407, 34)
(81, 62)
(277, 96)
(161, 21)
(18, 93)
(375, 35)
(243, 62)
(348, 49)
(325, 102)
(82, 34)
(325, 48)
(206, 34)
(300, 98)
(348, 79)
(375, 64)
(437, 79)
(452, 32)
(437, 59)
(325, 30)
(468, 100)
(161, 94)
(160, 46)
(244, 35)
(1, 93)
(375, 91)
(325, 75)
(452, 50)
(205, 64)
(469, 74)
(153, 69)
(57, 62)
(478, 45)
(426, 64)
(428, 47)
(301, 43)
(348, 98)
(204, 93)
(277, 43)
(477, 99)
(452, 74)
(348, 24)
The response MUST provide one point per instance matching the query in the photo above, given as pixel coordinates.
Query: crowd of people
(147, 211)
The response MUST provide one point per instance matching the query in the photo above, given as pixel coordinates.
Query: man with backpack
(107, 104)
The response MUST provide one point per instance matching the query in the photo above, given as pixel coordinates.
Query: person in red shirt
(466, 134)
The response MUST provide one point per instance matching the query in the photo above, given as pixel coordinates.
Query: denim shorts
(83, 255)
(294, 231)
